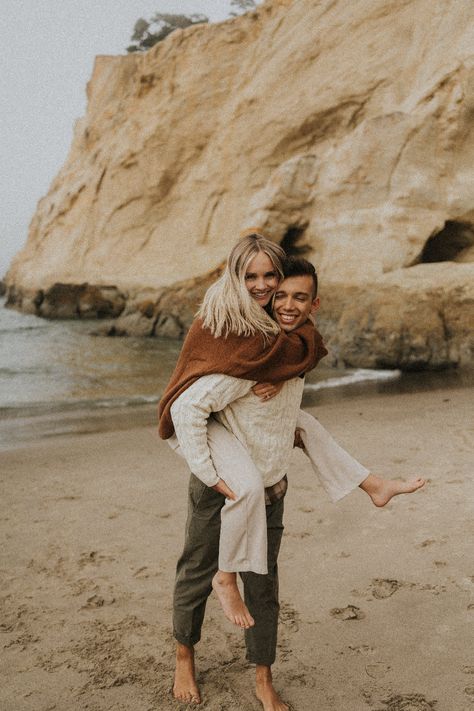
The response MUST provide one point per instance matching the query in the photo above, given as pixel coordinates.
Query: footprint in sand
(383, 587)
(408, 702)
(362, 649)
(377, 670)
(289, 617)
(97, 601)
(351, 612)
(425, 544)
(94, 558)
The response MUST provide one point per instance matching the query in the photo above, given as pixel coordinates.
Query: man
(294, 301)
(254, 425)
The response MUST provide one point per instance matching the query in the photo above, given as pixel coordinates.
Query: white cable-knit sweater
(265, 428)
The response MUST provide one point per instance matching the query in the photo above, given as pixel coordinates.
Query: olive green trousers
(198, 565)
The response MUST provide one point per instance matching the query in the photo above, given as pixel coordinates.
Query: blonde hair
(227, 306)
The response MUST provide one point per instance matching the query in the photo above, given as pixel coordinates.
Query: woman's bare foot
(265, 692)
(185, 688)
(382, 490)
(225, 587)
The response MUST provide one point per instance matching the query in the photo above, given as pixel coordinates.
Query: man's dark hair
(298, 266)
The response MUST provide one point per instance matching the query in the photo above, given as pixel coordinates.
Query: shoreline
(27, 424)
(93, 525)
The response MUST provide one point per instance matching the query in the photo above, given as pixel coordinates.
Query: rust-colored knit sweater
(283, 357)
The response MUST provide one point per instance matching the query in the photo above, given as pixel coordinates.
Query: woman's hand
(265, 391)
(222, 488)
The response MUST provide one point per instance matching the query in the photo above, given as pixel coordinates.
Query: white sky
(48, 49)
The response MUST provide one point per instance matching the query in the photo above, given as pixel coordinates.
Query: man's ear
(315, 305)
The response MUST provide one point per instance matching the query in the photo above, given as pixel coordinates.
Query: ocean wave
(33, 409)
(362, 375)
(20, 329)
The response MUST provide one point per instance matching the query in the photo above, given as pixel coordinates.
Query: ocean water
(58, 377)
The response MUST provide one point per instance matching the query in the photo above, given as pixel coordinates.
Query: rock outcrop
(343, 129)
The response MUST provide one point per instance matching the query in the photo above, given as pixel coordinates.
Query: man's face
(294, 302)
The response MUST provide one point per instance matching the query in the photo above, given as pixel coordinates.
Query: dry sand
(377, 605)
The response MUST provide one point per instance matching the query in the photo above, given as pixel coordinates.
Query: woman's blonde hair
(227, 306)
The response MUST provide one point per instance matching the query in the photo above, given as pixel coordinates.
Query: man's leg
(195, 570)
(262, 600)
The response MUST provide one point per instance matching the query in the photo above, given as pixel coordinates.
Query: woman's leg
(340, 473)
(243, 537)
(243, 540)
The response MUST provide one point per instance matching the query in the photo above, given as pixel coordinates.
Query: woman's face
(261, 278)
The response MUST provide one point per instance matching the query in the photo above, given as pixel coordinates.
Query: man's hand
(298, 442)
(222, 488)
(265, 391)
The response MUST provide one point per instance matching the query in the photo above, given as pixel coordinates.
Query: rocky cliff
(343, 129)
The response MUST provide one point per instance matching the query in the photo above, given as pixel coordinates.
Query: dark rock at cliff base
(3, 288)
(167, 312)
(65, 301)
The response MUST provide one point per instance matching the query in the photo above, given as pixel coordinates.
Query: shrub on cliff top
(147, 33)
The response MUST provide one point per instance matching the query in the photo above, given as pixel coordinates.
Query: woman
(235, 335)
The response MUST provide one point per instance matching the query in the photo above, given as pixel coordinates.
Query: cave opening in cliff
(292, 241)
(448, 243)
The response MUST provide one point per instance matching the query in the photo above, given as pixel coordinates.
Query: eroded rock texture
(343, 129)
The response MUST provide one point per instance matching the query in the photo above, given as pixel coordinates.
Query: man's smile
(287, 318)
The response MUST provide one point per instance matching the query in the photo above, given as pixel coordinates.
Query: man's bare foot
(185, 688)
(265, 692)
(225, 587)
(382, 490)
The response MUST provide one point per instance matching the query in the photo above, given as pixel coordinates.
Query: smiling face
(261, 278)
(294, 301)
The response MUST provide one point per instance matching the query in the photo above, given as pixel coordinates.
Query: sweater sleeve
(190, 412)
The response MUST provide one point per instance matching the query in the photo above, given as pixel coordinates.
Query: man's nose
(288, 304)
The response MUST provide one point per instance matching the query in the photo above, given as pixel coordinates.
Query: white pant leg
(338, 472)
(243, 538)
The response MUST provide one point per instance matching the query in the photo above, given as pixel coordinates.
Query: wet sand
(377, 604)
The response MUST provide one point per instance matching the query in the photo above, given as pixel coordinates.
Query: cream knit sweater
(266, 429)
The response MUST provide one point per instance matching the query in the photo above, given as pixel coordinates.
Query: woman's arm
(190, 413)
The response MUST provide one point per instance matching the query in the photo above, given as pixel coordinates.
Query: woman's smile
(261, 278)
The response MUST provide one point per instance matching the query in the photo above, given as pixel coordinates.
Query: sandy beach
(376, 604)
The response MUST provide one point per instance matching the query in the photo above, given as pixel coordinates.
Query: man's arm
(190, 413)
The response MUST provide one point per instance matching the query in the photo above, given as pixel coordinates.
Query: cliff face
(342, 128)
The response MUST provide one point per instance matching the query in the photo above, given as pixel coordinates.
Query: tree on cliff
(148, 33)
(242, 6)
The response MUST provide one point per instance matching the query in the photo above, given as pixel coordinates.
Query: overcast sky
(48, 50)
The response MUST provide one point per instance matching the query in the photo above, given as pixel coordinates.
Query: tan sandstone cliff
(343, 128)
